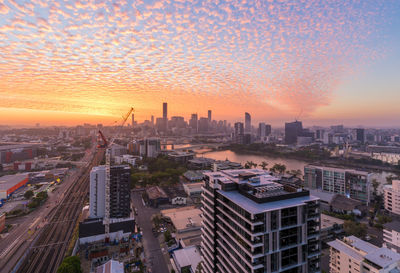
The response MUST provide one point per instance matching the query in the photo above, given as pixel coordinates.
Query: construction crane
(108, 145)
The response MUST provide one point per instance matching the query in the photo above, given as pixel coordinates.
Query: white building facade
(392, 197)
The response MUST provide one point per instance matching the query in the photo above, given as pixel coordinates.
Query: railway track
(49, 249)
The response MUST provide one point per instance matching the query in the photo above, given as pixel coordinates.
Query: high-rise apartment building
(133, 120)
(119, 191)
(264, 130)
(253, 224)
(391, 236)
(149, 147)
(351, 183)
(238, 135)
(354, 255)
(392, 197)
(247, 123)
(209, 116)
(152, 120)
(292, 131)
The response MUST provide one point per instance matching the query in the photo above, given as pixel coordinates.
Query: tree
(70, 264)
(295, 173)
(250, 164)
(375, 185)
(28, 194)
(199, 268)
(355, 228)
(264, 165)
(278, 168)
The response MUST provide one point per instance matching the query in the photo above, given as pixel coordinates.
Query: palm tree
(264, 165)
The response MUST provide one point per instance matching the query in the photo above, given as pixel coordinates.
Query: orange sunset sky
(324, 62)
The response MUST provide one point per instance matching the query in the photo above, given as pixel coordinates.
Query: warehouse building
(10, 183)
(11, 153)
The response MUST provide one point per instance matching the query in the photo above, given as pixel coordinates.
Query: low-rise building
(392, 197)
(351, 183)
(391, 236)
(110, 267)
(193, 189)
(193, 176)
(156, 196)
(10, 183)
(342, 204)
(331, 228)
(186, 259)
(187, 222)
(354, 255)
(130, 159)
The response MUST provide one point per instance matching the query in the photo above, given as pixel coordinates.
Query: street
(151, 244)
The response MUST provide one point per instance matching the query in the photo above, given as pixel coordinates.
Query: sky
(323, 62)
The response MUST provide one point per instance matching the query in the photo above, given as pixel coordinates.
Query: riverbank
(310, 155)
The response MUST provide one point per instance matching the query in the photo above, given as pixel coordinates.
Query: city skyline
(323, 63)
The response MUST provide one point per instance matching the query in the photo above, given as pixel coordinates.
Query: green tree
(199, 268)
(264, 165)
(375, 185)
(278, 168)
(28, 194)
(250, 164)
(70, 264)
(295, 173)
(355, 228)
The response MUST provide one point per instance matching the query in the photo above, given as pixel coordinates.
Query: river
(291, 164)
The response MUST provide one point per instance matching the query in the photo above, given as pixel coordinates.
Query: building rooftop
(185, 218)
(110, 267)
(156, 192)
(383, 257)
(344, 203)
(17, 146)
(324, 196)
(189, 256)
(254, 207)
(328, 221)
(9, 181)
(394, 225)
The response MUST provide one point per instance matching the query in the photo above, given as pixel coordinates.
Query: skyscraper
(209, 116)
(203, 125)
(292, 131)
(264, 130)
(360, 134)
(247, 123)
(238, 135)
(133, 120)
(253, 224)
(119, 191)
(165, 116)
(193, 123)
(152, 120)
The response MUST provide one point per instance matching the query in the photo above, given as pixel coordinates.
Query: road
(151, 244)
(16, 243)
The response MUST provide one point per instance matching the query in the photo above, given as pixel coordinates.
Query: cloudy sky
(69, 62)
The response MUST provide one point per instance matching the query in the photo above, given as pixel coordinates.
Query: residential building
(391, 236)
(165, 116)
(247, 123)
(119, 191)
(150, 147)
(351, 183)
(392, 197)
(130, 159)
(238, 136)
(292, 131)
(331, 228)
(209, 116)
(186, 259)
(354, 255)
(253, 224)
